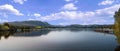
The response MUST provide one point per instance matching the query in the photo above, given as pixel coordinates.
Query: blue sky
(59, 12)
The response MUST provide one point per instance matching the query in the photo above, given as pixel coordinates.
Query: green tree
(5, 28)
(6, 24)
(117, 22)
(38, 27)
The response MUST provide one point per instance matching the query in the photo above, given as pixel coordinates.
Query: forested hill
(29, 23)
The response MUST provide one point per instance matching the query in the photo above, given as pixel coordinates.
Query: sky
(59, 12)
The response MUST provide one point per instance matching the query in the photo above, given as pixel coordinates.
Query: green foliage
(4, 28)
(25, 25)
(38, 27)
(117, 22)
(6, 24)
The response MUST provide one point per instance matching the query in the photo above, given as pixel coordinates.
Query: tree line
(9, 27)
(117, 22)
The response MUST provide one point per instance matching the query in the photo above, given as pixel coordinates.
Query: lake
(59, 40)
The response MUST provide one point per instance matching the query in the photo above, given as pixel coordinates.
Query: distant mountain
(30, 23)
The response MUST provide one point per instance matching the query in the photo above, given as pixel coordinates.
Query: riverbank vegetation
(117, 22)
(9, 27)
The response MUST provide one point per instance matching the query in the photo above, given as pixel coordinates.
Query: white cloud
(68, 0)
(74, 1)
(19, 1)
(69, 6)
(99, 16)
(36, 15)
(9, 9)
(107, 2)
(69, 15)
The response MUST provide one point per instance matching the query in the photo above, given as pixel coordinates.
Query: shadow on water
(26, 33)
(29, 33)
(32, 33)
(118, 40)
(6, 34)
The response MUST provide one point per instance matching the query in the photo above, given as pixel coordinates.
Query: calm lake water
(58, 40)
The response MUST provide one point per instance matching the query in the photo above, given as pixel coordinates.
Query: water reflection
(116, 33)
(118, 40)
(73, 29)
(6, 34)
(32, 33)
(29, 33)
(26, 33)
(69, 39)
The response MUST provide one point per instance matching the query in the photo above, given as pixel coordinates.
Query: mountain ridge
(29, 23)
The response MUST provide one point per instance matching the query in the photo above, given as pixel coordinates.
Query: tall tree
(6, 24)
(117, 22)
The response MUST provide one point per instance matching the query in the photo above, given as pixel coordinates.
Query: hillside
(30, 23)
